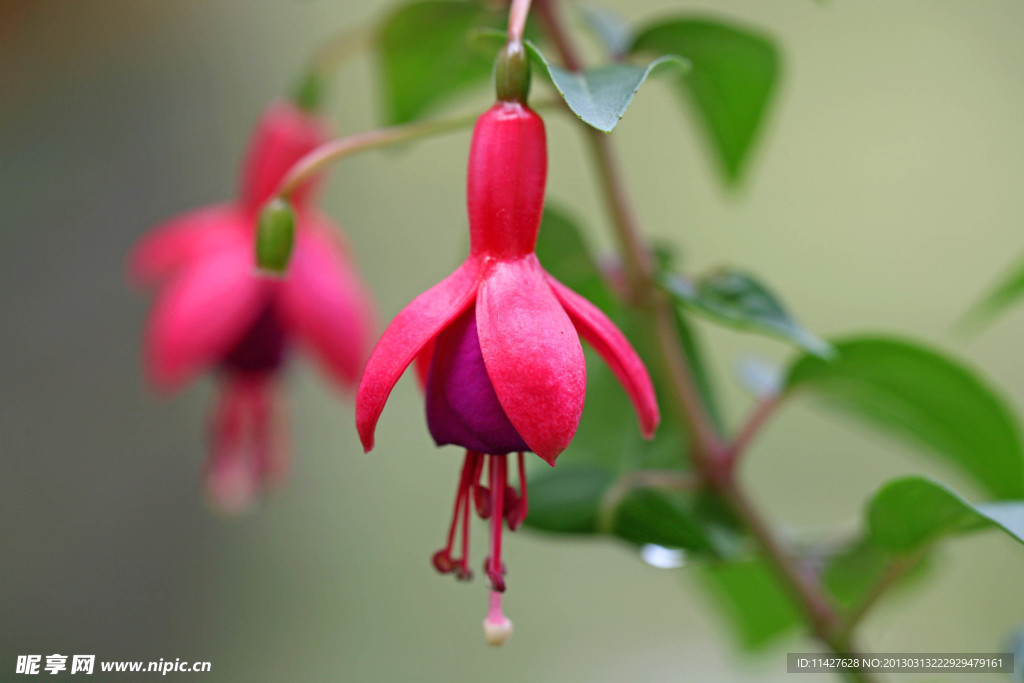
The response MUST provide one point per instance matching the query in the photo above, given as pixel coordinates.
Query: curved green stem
(335, 150)
(331, 152)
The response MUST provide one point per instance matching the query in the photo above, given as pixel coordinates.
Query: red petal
(615, 349)
(201, 314)
(325, 303)
(532, 354)
(174, 243)
(410, 331)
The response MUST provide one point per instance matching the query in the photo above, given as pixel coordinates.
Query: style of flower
(215, 311)
(499, 340)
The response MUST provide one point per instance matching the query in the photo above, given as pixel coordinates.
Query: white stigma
(497, 627)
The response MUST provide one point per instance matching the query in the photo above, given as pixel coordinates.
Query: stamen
(497, 627)
(442, 559)
(481, 494)
(499, 474)
(473, 463)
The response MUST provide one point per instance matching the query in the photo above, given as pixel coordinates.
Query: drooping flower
(215, 311)
(500, 342)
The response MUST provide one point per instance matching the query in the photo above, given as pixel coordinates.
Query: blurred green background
(886, 197)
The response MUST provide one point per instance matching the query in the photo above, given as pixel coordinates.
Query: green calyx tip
(308, 94)
(275, 237)
(512, 73)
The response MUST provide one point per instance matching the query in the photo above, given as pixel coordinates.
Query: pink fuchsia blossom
(498, 342)
(214, 311)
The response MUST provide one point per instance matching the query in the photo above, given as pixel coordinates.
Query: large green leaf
(925, 396)
(737, 299)
(910, 513)
(426, 57)
(730, 84)
(1007, 291)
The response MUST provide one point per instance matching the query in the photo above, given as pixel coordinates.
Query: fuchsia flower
(214, 309)
(501, 338)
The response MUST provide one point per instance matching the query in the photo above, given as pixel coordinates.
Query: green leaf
(568, 500)
(753, 600)
(731, 83)
(908, 514)
(919, 394)
(610, 27)
(598, 96)
(737, 299)
(426, 57)
(1007, 291)
(851, 575)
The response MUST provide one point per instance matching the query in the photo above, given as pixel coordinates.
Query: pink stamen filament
(498, 466)
(461, 496)
(471, 466)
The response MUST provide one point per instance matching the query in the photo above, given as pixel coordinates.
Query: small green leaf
(732, 81)
(926, 397)
(738, 300)
(610, 27)
(1007, 291)
(601, 96)
(598, 96)
(910, 513)
(753, 600)
(426, 58)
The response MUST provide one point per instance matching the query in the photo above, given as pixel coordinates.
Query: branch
(707, 450)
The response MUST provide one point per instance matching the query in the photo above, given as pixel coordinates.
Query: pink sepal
(532, 354)
(407, 335)
(601, 333)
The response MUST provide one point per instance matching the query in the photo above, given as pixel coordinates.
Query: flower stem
(328, 153)
(335, 150)
(709, 454)
(764, 409)
(517, 21)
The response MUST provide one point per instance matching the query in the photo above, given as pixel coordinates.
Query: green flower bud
(275, 236)
(512, 73)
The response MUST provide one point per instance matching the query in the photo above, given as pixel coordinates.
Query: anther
(443, 562)
(482, 499)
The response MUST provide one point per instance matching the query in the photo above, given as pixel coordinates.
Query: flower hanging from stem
(498, 342)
